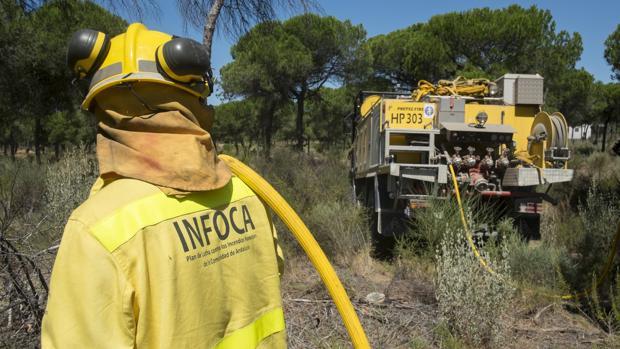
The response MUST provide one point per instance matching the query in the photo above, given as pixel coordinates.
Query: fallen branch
(541, 311)
(385, 304)
(554, 329)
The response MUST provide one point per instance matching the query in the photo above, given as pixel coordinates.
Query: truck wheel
(382, 245)
(528, 226)
(360, 192)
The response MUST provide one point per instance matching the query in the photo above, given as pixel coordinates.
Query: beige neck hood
(157, 134)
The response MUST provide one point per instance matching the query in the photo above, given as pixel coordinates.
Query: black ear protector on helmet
(184, 60)
(86, 51)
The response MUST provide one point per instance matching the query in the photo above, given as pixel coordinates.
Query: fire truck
(500, 143)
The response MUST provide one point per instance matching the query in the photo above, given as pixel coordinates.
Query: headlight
(481, 119)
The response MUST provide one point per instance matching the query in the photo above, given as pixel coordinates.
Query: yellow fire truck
(494, 134)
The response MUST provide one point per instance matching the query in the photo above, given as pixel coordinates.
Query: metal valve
(503, 161)
(456, 158)
(487, 162)
(470, 159)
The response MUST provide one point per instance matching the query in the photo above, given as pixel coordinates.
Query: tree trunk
(57, 150)
(38, 135)
(269, 128)
(209, 29)
(596, 131)
(605, 134)
(13, 142)
(299, 122)
(244, 148)
(14, 147)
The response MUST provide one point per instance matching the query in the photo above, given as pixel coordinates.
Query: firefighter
(169, 250)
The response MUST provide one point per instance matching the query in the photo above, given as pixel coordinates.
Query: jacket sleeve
(90, 300)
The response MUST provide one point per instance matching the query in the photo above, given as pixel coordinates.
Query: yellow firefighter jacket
(139, 269)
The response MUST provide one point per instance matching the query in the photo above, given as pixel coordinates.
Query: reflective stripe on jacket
(139, 269)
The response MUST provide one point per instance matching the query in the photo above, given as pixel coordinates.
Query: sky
(593, 19)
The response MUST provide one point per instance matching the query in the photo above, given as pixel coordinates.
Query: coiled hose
(470, 241)
(266, 192)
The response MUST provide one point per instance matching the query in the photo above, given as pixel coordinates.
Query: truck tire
(382, 245)
(360, 192)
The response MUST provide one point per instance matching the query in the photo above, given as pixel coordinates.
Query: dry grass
(36, 202)
(410, 316)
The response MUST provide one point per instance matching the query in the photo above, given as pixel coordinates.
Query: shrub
(471, 300)
(536, 265)
(430, 225)
(318, 188)
(23, 293)
(606, 311)
(36, 202)
(600, 168)
(68, 182)
(589, 238)
(584, 148)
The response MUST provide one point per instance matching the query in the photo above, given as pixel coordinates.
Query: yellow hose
(266, 192)
(470, 239)
(606, 269)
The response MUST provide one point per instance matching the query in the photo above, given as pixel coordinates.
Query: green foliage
(590, 240)
(327, 113)
(572, 94)
(332, 47)
(51, 27)
(70, 127)
(612, 51)
(236, 123)
(264, 62)
(606, 107)
(572, 254)
(408, 55)
(36, 82)
(536, 265)
(430, 225)
(278, 62)
(486, 43)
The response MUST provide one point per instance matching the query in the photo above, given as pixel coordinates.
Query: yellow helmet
(138, 55)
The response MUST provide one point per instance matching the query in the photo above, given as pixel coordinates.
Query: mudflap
(387, 221)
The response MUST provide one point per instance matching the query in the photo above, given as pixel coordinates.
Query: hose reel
(548, 140)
